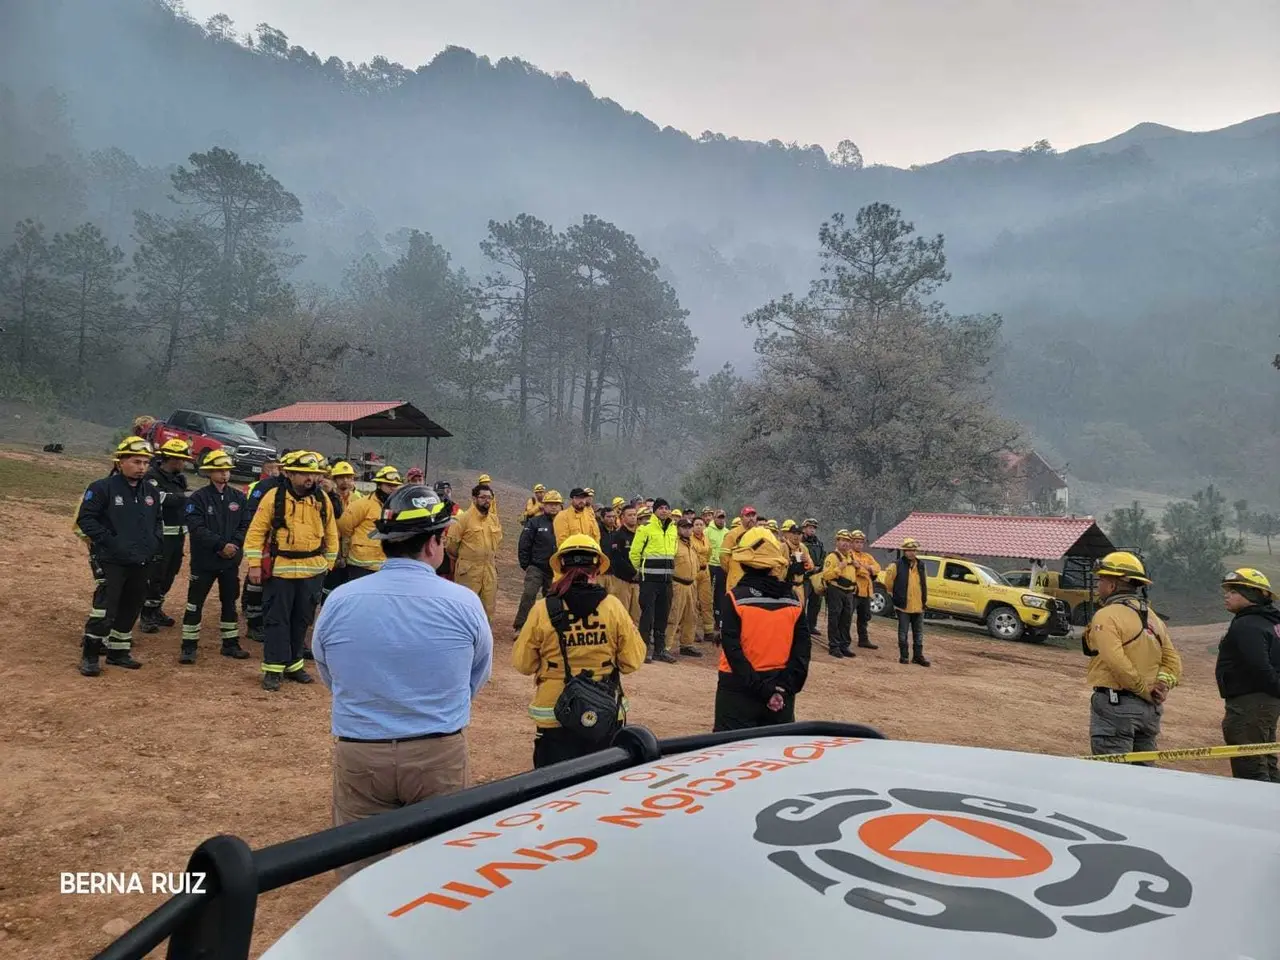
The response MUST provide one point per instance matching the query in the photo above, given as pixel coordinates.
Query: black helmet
(442, 486)
(410, 511)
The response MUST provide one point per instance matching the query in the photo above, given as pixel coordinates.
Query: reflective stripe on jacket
(653, 551)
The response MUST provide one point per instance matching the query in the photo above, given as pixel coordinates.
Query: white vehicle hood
(833, 847)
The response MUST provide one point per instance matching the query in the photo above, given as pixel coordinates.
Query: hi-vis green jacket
(653, 551)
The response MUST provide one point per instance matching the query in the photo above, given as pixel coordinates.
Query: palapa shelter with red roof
(1022, 538)
(361, 418)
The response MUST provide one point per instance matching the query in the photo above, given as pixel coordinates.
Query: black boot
(868, 645)
(835, 652)
(122, 658)
(690, 651)
(920, 659)
(307, 654)
(271, 681)
(902, 655)
(232, 648)
(847, 650)
(147, 621)
(162, 619)
(662, 655)
(253, 633)
(90, 650)
(299, 676)
(188, 654)
(648, 653)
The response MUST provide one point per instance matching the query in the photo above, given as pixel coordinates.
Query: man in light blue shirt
(404, 651)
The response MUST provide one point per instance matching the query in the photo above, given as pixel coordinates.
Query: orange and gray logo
(952, 861)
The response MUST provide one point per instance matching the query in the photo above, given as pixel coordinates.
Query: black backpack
(587, 708)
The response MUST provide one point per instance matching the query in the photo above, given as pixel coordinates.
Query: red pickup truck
(212, 431)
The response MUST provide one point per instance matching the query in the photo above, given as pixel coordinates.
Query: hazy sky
(910, 81)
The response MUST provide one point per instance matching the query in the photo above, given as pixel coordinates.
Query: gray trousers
(535, 580)
(1252, 719)
(1129, 726)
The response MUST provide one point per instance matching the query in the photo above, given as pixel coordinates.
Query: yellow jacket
(532, 508)
(303, 532)
(866, 578)
(686, 565)
(473, 539)
(607, 638)
(732, 569)
(838, 566)
(915, 602)
(1130, 658)
(702, 546)
(570, 521)
(356, 525)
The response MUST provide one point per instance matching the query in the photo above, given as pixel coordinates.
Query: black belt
(421, 736)
(682, 580)
(1119, 693)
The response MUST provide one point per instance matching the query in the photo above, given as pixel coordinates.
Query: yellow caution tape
(1191, 753)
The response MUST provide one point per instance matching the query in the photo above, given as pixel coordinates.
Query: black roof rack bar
(218, 924)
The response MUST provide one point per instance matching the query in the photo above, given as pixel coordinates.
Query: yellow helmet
(553, 496)
(843, 535)
(736, 524)
(133, 447)
(618, 502)
(388, 474)
(857, 535)
(539, 488)
(217, 459)
(588, 491)
(911, 543)
(177, 448)
(772, 525)
(1249, 577)
(789, 526)
(677, 514)
(305, 461)
(342, 469)
(1122, 565)
(483, 478)
(579, 550)
(759, 548)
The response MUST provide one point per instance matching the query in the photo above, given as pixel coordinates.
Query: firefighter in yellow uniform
(473, 542)
(598, 636)
(732, 568)
(365, 556)
(799, 561)
(908, 586)
(840, 573)
(868, 568)
(577, 519)
(706, 615)
(533, 506)
(683, 618)
(1133, 663)
(295, 533)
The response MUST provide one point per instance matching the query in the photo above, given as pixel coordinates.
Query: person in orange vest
(764, 639)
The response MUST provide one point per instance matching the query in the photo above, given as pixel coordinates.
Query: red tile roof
(1024, 538)
(307, 412)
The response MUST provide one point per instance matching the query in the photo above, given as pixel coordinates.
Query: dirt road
(130, 771)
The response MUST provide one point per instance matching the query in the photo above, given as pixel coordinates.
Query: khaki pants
(372, 778)
(628, 594)
(705, 611)
(684, 616)
(481, 578)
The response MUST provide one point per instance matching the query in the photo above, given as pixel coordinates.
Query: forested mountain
(1136, 277)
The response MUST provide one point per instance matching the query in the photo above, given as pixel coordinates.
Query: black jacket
(900, 583)
(817, 552)
(618, 546)
(742, 676)
(537, 542)
(122, 520)
(1249, 654)
(215, 519)
(171, 488)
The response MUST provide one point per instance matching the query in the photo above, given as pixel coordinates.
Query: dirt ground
(131, 770)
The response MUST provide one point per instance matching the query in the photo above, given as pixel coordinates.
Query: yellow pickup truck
(964, 590)
(1070, 588)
